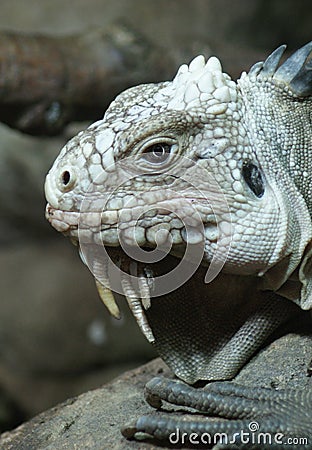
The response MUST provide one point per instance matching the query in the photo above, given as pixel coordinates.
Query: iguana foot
(244, 417)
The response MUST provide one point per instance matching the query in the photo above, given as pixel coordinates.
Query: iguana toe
(240, 416)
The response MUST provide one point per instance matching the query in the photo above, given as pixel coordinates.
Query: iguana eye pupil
(253, 178)
(65, 177)
(157, 153)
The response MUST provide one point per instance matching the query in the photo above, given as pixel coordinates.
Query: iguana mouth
(62, 221)
(138, 298)
(135, 278)
(114, 270)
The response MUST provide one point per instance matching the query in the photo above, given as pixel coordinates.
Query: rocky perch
(93, 420)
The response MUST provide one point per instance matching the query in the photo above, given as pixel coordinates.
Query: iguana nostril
(66, 179)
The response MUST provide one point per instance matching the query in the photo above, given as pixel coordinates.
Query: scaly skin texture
(218, 173)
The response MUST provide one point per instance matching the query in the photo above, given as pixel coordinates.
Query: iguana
(207, 182)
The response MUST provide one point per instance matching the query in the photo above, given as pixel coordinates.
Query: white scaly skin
(248, 146)
(208, 118)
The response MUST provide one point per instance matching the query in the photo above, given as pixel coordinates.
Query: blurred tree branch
(47, 82)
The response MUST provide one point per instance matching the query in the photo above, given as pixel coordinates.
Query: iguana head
(200, 162)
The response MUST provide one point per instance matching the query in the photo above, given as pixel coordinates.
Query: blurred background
(56, 338)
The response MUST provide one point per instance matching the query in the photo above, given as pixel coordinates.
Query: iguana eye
(157, 153)
(253, 178)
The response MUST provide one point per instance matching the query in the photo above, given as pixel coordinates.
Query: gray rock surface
(93, 420)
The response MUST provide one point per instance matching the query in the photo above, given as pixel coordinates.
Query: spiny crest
(201, 84)
(295, 72)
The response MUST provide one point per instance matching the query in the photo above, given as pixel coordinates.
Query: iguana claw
(244, 417)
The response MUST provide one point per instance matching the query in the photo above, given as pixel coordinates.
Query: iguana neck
(208, 331)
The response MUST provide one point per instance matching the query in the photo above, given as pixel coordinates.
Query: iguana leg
(250, 418)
